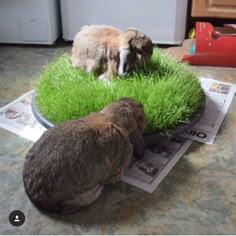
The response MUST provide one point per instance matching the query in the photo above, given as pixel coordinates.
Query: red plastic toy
(212, 48)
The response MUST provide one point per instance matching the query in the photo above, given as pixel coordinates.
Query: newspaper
(17, 117)
(219, 96)
(158, 160)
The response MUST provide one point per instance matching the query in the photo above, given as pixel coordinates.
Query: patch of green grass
(168, 90)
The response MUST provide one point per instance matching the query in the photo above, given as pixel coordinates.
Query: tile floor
(197, 197)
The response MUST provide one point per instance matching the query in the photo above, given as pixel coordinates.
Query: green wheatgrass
(168, 90)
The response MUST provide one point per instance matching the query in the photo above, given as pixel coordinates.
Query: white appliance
(163, 21)
(29, 21)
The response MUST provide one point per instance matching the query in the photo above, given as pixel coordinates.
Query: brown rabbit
(67, 168)
(106, 50)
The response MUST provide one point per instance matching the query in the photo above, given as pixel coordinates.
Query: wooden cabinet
(214, 8)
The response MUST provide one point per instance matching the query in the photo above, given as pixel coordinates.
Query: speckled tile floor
(197, 197)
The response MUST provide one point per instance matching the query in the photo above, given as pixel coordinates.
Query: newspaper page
(17, 117)
(158, 160)
(219, 96)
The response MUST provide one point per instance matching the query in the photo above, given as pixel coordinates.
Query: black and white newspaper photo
(17, 117)
(158, 160)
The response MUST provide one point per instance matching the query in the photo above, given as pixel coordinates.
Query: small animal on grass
(68, 167)
(107, 51)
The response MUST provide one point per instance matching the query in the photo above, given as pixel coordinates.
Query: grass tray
(170, 93)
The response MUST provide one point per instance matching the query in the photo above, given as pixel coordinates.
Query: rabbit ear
(127, 36)
(137, 141)
(125, 118)
(122, 114)
(138, 112)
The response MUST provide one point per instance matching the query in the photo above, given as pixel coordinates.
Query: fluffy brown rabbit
(107, 51)
(67, 168)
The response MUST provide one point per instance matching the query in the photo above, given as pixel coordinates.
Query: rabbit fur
(67, 168)
(107, 51)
